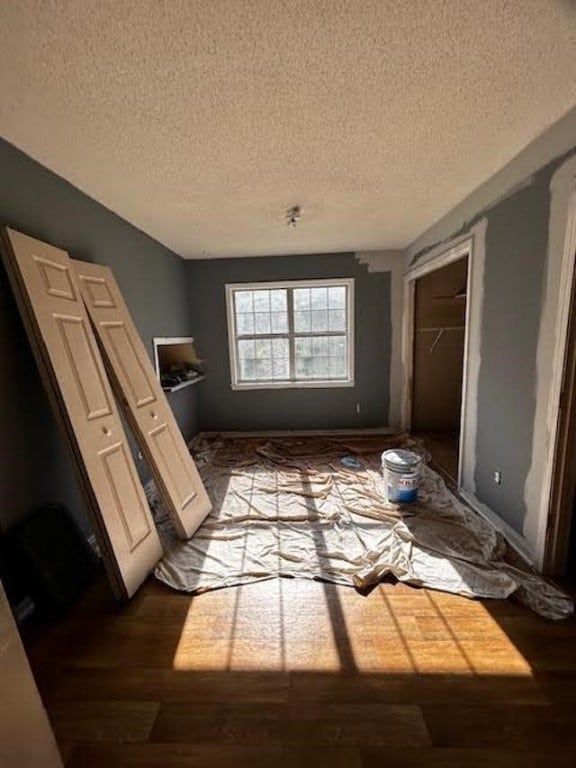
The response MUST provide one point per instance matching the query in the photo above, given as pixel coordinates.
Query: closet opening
(438, 355)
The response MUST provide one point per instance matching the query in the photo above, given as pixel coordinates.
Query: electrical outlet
(357, 407)
(497, 477)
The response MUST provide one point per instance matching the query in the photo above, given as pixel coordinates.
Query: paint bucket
(401, 472)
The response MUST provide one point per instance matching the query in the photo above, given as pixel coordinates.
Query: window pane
(264, 369)
(280, 348)
(337, 320)
(319, 298)
(263, 348)
(338, 367)
(303, 347)
(337, 346)
(303, 367)
(301, 298)
(247, 370)
(281, 368)
(261, 301)
(302, 322)
(246, 350)
(312, 357)
(278, 302)
(321, 367)
(262, 322)
(319, 346)
(337, 297)
(264, 359)
(303, 357)
(319, 320)
(279, 322)
(245, 324)
(321, 357)
(244, 302)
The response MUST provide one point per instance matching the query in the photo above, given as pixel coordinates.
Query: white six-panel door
(73, 371)
(148, 410)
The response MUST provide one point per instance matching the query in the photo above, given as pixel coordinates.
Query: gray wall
(516, 253)
(514, 290)
(34, 466)
(221, 408)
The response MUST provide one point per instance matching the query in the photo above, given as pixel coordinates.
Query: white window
(293, 334)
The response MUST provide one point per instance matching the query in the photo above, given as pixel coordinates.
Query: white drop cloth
(291, 508)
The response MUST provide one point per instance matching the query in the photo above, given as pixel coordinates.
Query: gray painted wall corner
(391, 261)
(517, 215)
(35, 467)
(552, 145)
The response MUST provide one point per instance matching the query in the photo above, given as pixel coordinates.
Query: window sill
(292, 385)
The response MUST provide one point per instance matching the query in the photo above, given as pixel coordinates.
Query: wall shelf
(184, 384)
(175, 358)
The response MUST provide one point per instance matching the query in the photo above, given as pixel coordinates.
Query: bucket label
(401, 485)
(403, 496)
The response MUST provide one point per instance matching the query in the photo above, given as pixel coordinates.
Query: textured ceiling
(202, 121)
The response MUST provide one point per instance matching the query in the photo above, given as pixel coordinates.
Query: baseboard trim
(300, 432)
(513, 538)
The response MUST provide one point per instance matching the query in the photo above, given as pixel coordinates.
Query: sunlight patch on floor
(283, 625)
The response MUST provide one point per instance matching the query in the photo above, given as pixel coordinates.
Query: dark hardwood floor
(297, 673)
(443, 448)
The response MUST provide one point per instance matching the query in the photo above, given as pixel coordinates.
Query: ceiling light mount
(293, 215)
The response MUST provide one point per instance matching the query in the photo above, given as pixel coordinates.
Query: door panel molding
(73, 373)
(146, 406)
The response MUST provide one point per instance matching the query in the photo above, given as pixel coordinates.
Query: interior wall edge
(549, 146)
(473, 357)
(550, 353)
(393, 262)
(75, 190)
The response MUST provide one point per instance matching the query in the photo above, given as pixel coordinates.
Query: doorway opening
(437, 297)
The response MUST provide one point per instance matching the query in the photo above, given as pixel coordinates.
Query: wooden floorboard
(298, 673)
(212, 756)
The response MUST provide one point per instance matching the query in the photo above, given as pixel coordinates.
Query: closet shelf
(461, 294)
(184, 384)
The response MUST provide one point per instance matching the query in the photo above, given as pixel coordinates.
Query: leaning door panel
(74, 375)
(147, 408)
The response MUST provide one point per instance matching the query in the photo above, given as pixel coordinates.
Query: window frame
(349, 381)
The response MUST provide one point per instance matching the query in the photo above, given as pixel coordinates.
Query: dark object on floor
(54, 558)
(11, 573)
